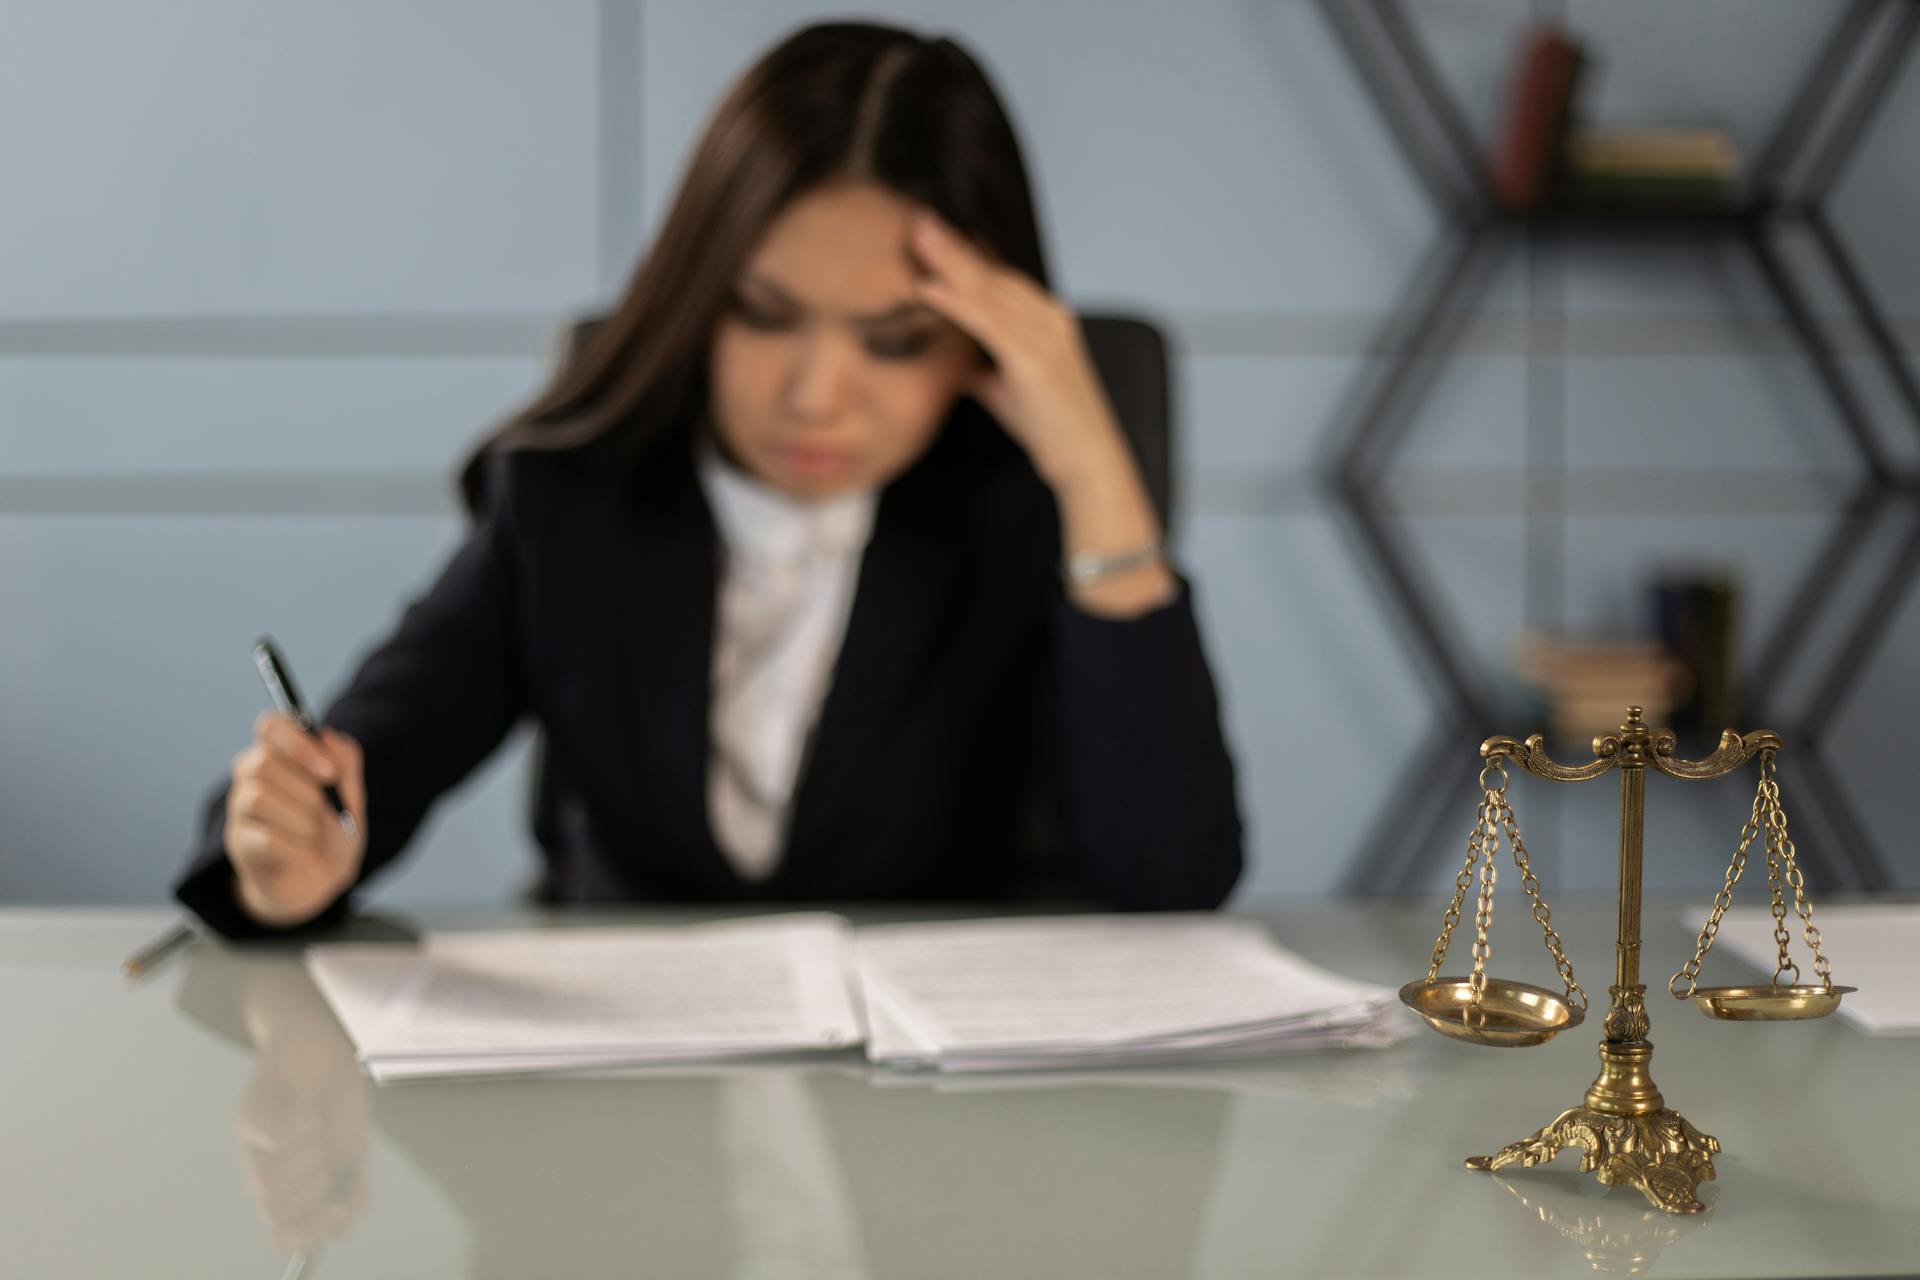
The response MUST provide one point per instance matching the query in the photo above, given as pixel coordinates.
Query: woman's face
(827, 375)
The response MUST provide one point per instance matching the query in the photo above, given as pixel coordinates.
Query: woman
(820, 557)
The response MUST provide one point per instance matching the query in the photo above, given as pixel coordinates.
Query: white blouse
(788, 568)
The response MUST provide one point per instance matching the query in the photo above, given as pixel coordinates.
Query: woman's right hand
(291, 856)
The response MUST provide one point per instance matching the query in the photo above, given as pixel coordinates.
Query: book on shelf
(1696, 614)
(1525, 161)
(1692, 151)
(1652, 166)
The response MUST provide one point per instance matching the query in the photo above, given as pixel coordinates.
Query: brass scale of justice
(1625, 1132)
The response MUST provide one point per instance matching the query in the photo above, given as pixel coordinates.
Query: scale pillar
(1625, 1085)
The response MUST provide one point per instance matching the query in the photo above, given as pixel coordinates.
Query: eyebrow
(905, 310)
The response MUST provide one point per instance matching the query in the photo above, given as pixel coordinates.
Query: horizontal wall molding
(514, 335)
(1248, 491)
(1623, 491)
(1516, 332)
(1463, 492)
(1248, 334)
(1482, 492)
(233, 493)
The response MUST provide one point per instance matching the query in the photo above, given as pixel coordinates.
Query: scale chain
(1756, 822)
(1777, 837)
(1542, 914)
(1783, 870)
(1461, 883)
(1493, 817)
(1483, 913)
(1770, 790)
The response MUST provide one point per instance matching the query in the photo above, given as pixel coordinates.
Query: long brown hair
(852, 100)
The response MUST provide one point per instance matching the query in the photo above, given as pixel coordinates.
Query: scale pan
(1511, 1014)
(1768, 1003)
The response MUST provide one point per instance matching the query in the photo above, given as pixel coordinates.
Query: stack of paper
(994, 995)
(985, 995)
(581, 998)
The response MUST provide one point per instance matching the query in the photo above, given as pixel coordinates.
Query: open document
(464, 1003)
(997, 995)
(983, 995)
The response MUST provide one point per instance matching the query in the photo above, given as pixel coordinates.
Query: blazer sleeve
(427, 706)
(1149, 799)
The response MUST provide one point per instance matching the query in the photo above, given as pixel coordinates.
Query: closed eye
(900, 346)
(756, 316)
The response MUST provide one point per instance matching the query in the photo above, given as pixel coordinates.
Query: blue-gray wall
(267, 266)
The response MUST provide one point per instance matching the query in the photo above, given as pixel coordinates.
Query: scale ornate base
(1626, 1136)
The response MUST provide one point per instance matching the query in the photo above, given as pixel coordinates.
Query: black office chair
(1130, 355)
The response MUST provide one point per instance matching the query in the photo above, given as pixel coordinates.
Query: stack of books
(1653, 166)
(1587, 685)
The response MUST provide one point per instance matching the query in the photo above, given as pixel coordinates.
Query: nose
(821, 378)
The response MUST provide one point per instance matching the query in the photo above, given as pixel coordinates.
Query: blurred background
(1513, 383)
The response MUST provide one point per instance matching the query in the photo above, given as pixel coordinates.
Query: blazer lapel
(900, 607)
(664, 575)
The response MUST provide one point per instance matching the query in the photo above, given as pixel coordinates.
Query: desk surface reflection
(213, 1122)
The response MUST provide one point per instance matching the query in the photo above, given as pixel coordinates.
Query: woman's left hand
(1042, 387)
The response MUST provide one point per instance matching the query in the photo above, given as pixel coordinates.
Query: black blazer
(967, 684)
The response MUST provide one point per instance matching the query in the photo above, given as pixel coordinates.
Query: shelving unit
(1787, 190)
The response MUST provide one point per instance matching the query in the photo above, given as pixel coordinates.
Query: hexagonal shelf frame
(1812, 142)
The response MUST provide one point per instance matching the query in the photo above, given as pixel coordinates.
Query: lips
(811, 460)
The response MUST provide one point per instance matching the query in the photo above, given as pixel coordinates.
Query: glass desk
(211, 1121)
